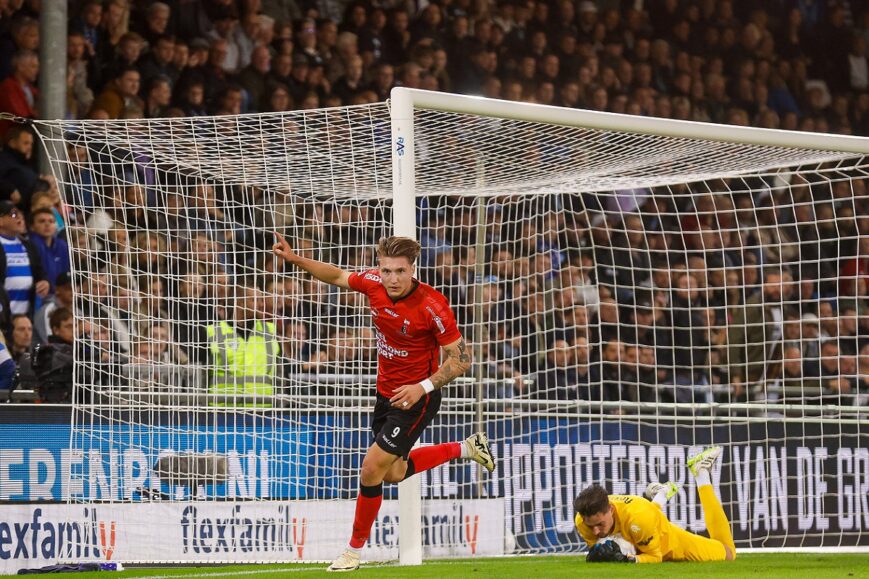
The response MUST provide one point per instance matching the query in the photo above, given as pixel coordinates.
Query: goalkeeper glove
(607, 552)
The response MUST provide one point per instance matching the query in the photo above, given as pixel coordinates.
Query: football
(626, 546)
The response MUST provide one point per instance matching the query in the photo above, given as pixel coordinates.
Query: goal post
(634, 289)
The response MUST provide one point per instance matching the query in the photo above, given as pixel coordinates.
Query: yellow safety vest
(243, 365)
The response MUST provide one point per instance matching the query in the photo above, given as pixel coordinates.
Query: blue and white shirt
(19, 275)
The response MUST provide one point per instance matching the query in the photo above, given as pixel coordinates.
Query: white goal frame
(404, 102)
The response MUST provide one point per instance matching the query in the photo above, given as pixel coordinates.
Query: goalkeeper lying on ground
(642, 523)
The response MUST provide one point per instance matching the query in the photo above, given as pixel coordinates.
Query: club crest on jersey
(390, 312)
(437, 320)
(405, 326)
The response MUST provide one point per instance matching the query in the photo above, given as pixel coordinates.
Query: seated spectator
(62, 327)
(121, 95)
(53, 250)
(20, 264)
(18, 93)
(17, 175)
(7, 367)
(20, 338)
(587, 373)
(79, 96)
(62, 298)
(158, 97)
(126, 56)
(252, 78)
(558, 380)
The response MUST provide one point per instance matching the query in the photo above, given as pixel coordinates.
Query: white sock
(466, 452)
(660, 499)
(702, 478)
(354, 549)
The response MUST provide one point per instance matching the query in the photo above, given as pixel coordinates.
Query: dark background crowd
(644, 296)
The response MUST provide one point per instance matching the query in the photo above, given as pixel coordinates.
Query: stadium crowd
(643, 296)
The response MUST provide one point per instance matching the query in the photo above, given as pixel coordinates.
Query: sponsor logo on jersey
(635, 529)
(437, 320)
(372, 277)
(390, 312)
(387, 351)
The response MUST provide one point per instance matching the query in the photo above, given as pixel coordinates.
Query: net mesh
(629, 298)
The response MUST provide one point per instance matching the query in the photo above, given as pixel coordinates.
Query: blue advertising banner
(782, 484)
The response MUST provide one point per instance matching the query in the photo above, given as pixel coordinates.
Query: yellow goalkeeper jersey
(640, 522)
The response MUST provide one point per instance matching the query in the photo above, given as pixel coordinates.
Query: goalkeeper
(643, 524)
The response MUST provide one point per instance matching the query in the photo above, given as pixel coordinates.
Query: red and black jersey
(409, 331)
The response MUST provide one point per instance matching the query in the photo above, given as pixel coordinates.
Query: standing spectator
(20, 265)
(53, 250)
(18, 93)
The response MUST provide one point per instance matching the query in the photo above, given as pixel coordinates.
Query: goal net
(631, 297)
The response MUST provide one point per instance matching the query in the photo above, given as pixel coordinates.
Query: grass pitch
(777, 565)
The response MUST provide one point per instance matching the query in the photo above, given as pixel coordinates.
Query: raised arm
(325, 272)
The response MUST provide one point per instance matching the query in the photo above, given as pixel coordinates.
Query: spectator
(62, 327)
(243, 352)
(755, 336)
(22, 35)
(20, 265)
(53, 250)
(587, 375)
(160, 61)
(7, 367)
(79, 96)
(127, 55)
(17, 176)
(155, 25)
(61, 298)
(558, 380)
(87, 25)
(120, 98)
(158, 97)
(253, 77)
(20, 339)
(18, 93)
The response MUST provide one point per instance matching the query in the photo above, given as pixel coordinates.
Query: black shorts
(396, 430)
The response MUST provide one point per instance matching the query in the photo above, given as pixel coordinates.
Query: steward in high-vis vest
(244, 357)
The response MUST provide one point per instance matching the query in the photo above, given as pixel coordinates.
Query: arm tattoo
(464, 356)
(457, 362)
